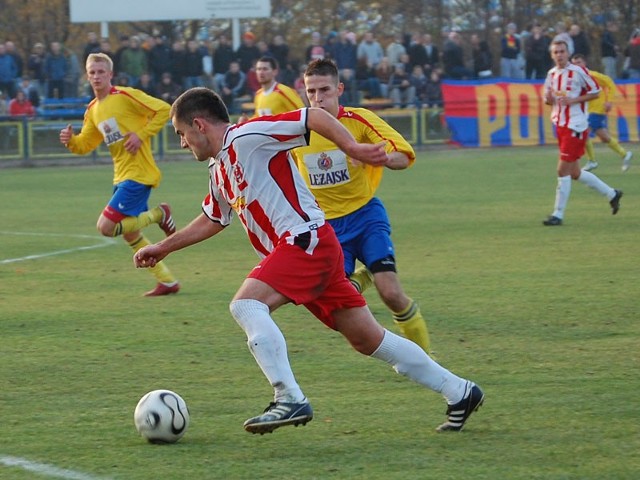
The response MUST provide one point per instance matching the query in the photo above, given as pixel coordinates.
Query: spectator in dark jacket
(8, 72)
(247, 53)
(167, 89)
(233, 86)
(424, 53)
(17, 58)
(279, 50)
(482, 57)
(223, 55)
(55, 67)
(580, 41)
(346, 52)
(610, 50)
(193, 65)
(453, 58)
(159, 58)
(35, 67)
(536, 54)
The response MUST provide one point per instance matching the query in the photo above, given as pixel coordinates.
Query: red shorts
(571, 143)
(309, 270)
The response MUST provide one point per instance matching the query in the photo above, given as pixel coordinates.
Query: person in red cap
(247, 53)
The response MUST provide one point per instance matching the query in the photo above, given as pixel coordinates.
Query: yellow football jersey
(123, 111)
(607, 93)
(339, 186)
(278, 99)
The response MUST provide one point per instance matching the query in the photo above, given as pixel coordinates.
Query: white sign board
(160, 10)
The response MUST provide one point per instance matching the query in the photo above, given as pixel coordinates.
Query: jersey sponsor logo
(329, 178)
(110, 131)
(327, 169)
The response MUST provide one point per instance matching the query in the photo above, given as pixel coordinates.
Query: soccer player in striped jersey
(599, 107)
(252, 174)
(346, 192)
(126, 119)
(273, 97)
(567, 89)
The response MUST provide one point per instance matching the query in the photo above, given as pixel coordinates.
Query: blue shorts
(364, 235)
(596, 122)
(130, 198)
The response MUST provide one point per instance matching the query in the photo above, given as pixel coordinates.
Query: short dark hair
(559, 42)
(199, 102)
(322, 67)
(270, 60)
(578, 56)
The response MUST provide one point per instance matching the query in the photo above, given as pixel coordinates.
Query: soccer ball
(161, 416)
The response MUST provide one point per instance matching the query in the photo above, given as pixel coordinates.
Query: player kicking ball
(252, 174)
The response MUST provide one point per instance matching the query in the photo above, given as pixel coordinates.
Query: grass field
(545, 319)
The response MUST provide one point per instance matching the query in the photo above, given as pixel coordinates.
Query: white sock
(590, 180)
(410, 360)
(269, 348)
(563, 190)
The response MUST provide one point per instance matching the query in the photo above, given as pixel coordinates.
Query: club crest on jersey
(238, 175)
(324, 162)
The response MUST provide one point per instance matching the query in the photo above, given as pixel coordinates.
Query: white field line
(102, 242)
(45, 469)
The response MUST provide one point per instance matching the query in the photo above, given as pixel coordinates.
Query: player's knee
(106, 230)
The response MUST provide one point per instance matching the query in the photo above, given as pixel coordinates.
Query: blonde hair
(101, 58)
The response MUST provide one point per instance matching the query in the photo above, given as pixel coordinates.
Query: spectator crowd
(403, 70)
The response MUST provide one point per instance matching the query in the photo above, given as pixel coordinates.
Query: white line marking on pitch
(104, 242)
(45, 469)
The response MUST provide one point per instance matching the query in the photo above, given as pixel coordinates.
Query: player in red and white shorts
(567, 89)
(252, 176)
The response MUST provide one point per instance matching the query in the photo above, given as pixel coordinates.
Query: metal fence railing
(34, 140)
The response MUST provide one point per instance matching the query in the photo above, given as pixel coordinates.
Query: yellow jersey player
(598, 109)
(126, 119)
(273, 97)
(345, 191)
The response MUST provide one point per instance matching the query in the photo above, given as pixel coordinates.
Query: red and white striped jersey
(571, 81)
(255, 176)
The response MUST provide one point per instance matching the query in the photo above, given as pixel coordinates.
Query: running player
(599, 107)
(346, 193)
(126, 119)
(252, 173)
(567, 88)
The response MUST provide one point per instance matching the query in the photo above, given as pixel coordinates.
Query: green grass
(545, 319)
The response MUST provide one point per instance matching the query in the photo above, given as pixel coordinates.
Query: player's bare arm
(397, 161)
(198, 230)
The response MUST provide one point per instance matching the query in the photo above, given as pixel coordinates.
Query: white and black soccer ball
(161, 416)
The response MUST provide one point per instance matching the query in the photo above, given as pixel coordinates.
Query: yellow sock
(412, 325)
(160, 271)
(361, 278)
(591, 154)
(132, 224)
(615, 146)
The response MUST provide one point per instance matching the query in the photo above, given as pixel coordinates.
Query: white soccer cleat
(590, 166)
